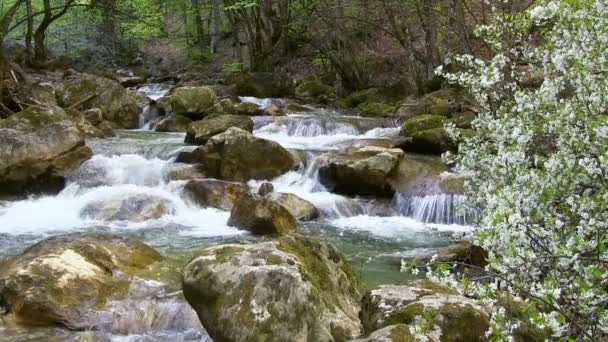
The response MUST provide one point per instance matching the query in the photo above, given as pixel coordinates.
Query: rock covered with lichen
(63, 280)
(451, 317)
(290, 289)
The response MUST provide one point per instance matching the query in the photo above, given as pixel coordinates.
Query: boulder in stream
(39, 146)
(132, 208)
(457, 318)
(173, 123)
(262, 216)
(193, 102)
(236, 155)
(290, 289)
(316, 92)
(365, 171)
(61, 281)
(249, 109)
(199, 132)
(86, 91)
(300, 208)
(215, 193)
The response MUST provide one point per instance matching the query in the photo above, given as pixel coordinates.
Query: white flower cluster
(539, 166)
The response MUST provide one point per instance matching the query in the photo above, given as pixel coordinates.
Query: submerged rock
(39, 146)
(361, 172)
(193, 102)
(61, 281)
(199, 132)
(236, 155)
(290, 289)
(262, 216)
(456, 317)
(86, 91)
(215, 193)
(300, 208)
(133, 208)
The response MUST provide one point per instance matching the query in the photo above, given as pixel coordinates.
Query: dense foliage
(538, 169)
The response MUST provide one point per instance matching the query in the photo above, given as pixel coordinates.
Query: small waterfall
(260, 102)
(433, 208)
(150, 112)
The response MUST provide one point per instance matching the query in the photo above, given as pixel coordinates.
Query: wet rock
(432, 141)
(106, 128)
(88, 129)
(131, 81)
(93, 115)
(39, 146)
(428, 104)
(463, 252)
(273, 110)
(451, 184)
(421, 123)
(132, 208)
(362, 172)
(300, 208)
(261, 216)
(215, 193)
(265, 188)
(179, 171)
(61, 281)
(392, 333)
(199, 132)
(456, 317)
(464, 119)
(316, 92)
(376, 109)
(289, 289)
(85, 91)
(236, 155)
(225, 106)
(193, 102)
(173, 123)
(249, 109)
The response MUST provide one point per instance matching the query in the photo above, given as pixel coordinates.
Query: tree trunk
(29, 50)
(215, 25)
(198, 22)
(6, 20)
(40, 55)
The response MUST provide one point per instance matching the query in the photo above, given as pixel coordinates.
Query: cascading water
(373, 233)
(154, 92)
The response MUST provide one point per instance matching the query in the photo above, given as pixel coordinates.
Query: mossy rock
(193, 102)
(293, 288)
(262, 216)
(199, 132)
(173, 123)
(376, 109)
(353, 100)
(249, 109)
(459, 319)
(392, 333)
(316, 92)
(61, 280)
(464, 119)
(435, 105)
(258, 84)
(433, 141)
(421, 123)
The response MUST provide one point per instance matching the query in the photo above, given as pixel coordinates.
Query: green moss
(274, 260)
(436, 288)
(353, 100)
(35, 117)
(401, 333)
(376, 109)
(462, 323)
(406, 315)
(224, 253)
(463, 120)
(247, 108)
(315, 91)
(422, 122)
(435, 105)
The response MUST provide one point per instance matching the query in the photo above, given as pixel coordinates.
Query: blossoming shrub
(538, 166)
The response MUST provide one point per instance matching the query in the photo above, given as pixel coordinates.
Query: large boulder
(173, 123)
(133, 208)
(300, 208)
(215, 193)
(249, 109)
(262, 216)
(61, 281)
(193, 102)
(86, 91)
(376, 109)
(456, 318)
(236, 155)
(199, 132)
(39, 146)
(316, 92)
(365, 171)
(392, 333)
(433, 141)
(289, 289)
(421, 123)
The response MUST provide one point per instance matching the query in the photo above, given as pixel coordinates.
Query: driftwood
(83, 101)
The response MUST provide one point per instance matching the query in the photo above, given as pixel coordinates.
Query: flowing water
(374, 233)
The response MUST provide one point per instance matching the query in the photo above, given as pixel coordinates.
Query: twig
(83, 101)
